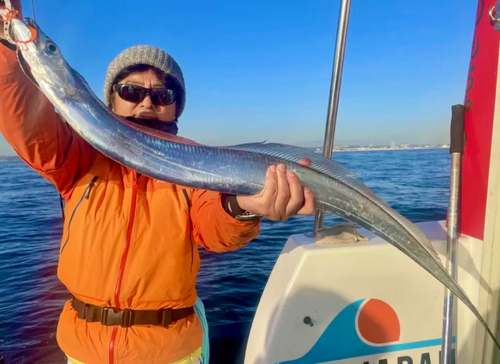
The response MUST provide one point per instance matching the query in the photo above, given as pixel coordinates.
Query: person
(128, 252)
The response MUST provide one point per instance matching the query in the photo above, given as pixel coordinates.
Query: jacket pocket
(85, 196)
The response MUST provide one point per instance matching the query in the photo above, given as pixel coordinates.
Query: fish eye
(51, 48)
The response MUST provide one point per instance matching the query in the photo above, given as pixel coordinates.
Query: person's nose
(147, 102)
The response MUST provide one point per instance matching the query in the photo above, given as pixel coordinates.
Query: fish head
(45, 61)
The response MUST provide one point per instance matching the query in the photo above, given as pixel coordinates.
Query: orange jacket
(128, 242)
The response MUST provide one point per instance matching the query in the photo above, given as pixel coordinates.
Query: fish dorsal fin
(418, 234)
(338, 171)
(293, 153)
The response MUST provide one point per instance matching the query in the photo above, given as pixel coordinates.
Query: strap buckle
(112, 317)
(166, 317)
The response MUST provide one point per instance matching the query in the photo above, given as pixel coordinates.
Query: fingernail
(272, 168)
(281, 167)
(307, 190)
(290, 174)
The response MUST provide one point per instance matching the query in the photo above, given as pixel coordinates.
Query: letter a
(425, 359)
(405, 360)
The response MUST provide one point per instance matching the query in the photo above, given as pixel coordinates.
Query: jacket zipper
(184, 192)
(85, 195)
(121, 271)
(112, 345)
(62, 203)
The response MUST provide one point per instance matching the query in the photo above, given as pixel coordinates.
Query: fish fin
(338, 171)
(319, 163)
(417, 234)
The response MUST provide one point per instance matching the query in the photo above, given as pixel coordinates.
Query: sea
(414, 182)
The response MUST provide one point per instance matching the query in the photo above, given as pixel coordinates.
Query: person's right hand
(16, 4)
(282, 197)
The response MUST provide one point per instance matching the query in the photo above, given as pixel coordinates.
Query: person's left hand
(283, 195)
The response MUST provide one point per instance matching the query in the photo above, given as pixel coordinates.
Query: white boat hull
(360, 303)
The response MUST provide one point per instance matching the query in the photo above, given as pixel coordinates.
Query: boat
(345, 299)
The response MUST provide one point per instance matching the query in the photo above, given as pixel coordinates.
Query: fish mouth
(26, 69)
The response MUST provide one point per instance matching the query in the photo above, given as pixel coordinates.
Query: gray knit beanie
(150, 56)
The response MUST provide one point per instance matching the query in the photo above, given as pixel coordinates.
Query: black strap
(110, 316)
(8, 44)
(231, 206)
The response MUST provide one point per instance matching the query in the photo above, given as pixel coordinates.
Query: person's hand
(283, 195)
(16, 4)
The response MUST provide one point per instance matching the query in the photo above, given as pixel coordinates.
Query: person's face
(144, 109)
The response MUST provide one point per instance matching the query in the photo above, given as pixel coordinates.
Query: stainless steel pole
(456, 150)
(33, 9)
(333, 105)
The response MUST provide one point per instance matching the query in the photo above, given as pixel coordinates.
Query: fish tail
(460, 293)
(476, 313)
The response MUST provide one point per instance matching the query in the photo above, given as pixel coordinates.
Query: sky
(260, 70)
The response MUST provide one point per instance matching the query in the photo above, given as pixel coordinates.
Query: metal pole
(456, 150)
(333, 105)
(33, 8)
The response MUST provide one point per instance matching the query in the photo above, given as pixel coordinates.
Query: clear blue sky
(260, 70)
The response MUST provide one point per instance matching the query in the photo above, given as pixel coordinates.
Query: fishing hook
(10, 14)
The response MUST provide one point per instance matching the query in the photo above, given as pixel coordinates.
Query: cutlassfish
(237, 169)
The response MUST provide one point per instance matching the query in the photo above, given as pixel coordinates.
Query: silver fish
(239, 169)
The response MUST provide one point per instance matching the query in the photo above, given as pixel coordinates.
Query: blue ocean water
(414, 182)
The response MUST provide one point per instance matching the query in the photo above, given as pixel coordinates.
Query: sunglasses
(134, 93)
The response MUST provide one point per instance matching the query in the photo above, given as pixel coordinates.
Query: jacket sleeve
(214, 228)
(39, 136)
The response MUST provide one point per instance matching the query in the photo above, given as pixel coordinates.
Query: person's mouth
(153, 122)
(145, 116)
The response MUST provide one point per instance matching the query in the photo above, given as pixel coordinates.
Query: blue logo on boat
(341, 340)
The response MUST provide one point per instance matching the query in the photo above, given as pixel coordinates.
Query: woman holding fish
(129, 250)
(130, 305)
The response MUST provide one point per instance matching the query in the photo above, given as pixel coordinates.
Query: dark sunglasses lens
(163, 97)
(131, 93)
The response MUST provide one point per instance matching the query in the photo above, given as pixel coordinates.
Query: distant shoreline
(9, 158)
(368, 149)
